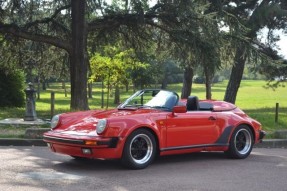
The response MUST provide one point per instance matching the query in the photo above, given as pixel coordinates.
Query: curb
(267, 143)
(22, 142)
(272, 143)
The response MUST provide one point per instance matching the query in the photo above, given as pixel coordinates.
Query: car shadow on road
(160, 162)
(191, 157)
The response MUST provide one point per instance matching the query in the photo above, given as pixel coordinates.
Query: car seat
(192, 103)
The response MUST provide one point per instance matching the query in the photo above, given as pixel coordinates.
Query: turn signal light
(90, 142)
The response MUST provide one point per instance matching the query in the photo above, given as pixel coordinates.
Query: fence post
(52, 104)
(276, 112)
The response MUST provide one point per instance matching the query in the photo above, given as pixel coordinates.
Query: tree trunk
(236, 76)
(141, 85)
(90, 90)
(44, 87)
(102, 95)
(187, 82)
(63, 84)
(208, 82)
(164, 82)
(108, 93)
(117, 95)
(87, 60)
(127, 86)
(134, 87)
(78, 66)
(64, 87)
(38, 88)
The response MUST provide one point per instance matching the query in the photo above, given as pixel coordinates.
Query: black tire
(139, 150)
(241, 143)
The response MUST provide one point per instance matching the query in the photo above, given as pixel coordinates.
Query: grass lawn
(257, 101)
(253, 98)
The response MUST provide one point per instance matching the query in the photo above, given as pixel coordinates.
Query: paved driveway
(36, 168)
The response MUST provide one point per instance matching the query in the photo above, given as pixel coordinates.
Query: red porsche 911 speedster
(154, 122)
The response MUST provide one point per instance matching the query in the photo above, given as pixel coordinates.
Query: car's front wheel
(139, 150)
(241, 143)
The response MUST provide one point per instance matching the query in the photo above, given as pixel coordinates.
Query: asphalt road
(36, 168)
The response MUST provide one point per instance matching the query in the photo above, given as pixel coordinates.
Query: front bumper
(108, 142)
(103, 148)
(262, 134)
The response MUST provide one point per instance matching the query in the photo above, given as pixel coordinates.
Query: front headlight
(101, 126)
(55, 121)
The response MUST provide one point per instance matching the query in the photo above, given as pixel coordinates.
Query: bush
(12, 88)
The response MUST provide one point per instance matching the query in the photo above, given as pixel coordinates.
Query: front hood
(84, 123)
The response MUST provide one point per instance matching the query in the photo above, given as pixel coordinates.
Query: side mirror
(179, 109)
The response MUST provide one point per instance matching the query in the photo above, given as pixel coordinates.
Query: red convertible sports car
(154, 122)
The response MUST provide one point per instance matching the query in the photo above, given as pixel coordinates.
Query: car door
(193, 128)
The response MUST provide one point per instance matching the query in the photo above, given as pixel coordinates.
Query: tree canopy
(189, 32)
(254, 15)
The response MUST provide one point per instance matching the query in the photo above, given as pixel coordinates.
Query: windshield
(157, 99)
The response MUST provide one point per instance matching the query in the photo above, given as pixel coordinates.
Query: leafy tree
(189, 27)
(196, 42)
(276, 72)
(40, 62)
(253, 15)
(113, 66)
(47, 22)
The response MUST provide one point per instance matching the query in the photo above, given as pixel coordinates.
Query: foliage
(113, 65)
(144, 77)
(11, 88)
(254, 16)
(275, 72)
(187, 33)
(51, 22)
(40, 62)
(253, 98)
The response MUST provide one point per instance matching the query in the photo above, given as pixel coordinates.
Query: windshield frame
(159, 99)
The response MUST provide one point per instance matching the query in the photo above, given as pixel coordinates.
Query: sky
(283, 45)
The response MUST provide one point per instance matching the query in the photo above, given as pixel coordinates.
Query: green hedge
(12, 88)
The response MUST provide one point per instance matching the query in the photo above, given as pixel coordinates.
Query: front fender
(123, 127)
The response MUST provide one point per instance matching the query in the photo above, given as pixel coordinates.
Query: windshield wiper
(144, 106)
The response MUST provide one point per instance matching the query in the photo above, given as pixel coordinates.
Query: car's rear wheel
(139, 150)
(241, 143)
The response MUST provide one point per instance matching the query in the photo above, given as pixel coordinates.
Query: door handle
(211, 118)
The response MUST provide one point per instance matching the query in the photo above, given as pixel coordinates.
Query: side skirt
(192, 147)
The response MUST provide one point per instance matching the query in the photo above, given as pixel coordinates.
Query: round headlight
(55, 121)
(101, 126)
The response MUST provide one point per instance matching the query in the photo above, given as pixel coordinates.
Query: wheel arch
(152, 131)
(250, 128)
(242, 147)
(140, 159)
